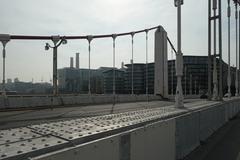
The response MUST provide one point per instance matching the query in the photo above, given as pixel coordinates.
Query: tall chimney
(122, 65)
(77, 60)
(71, 62)
(131, 61)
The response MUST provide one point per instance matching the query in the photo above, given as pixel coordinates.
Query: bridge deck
(20, 143)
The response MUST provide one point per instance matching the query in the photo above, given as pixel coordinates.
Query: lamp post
(57, 41)
(179, 58)
(4, 38)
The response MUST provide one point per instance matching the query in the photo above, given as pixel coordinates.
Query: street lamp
(57, 41)
(4, 38)
(179, 59)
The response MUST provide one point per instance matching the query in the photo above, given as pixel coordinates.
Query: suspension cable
(171, 45)
(114, 73)
(132, 35)
(89, 63)
(172, 69)
(3, 80)
(147, 64)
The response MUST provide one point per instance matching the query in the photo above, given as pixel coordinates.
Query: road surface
(13, 119)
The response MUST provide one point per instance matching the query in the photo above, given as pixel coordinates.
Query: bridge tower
(215, 76)
(161, 63)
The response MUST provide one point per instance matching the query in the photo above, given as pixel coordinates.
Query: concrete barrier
(102, 149)
(210, 120)
(187, 134)
(195, 127)
(44, 101)
(148, 142)
(168, 139)
(154, 141)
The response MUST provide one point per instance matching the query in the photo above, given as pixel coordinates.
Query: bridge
(138, 125)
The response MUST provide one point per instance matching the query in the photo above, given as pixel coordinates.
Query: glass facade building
(194, 80)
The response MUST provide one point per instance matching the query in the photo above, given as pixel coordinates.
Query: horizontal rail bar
(23, 37)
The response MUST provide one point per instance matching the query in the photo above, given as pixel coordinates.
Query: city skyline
(28, 59)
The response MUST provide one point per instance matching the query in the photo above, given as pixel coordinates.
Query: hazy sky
(28, 59)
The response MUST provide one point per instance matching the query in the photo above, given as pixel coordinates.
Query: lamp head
(64, 41)
(178, 3)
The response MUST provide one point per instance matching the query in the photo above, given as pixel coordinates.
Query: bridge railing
(91, 83)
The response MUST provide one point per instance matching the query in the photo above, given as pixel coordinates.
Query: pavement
(12, 119)
(21, 118)
(222, 145)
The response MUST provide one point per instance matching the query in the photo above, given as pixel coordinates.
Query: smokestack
(77, 60)
(122, 65)
(131, 61)
(71, 62)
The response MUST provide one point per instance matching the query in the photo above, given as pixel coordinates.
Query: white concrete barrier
(187, 134)
(154, 141)
(102, 149)
(194, 127)
(168, 139)
(148, 142)
(43, 101)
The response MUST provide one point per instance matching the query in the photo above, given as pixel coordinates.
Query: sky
(28, 60)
